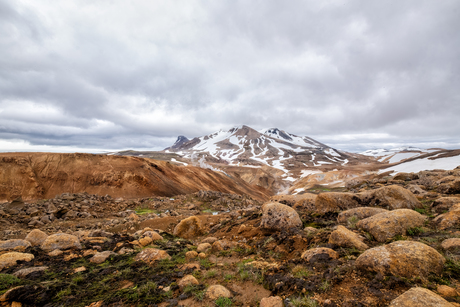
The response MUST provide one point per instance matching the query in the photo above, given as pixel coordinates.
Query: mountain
(245, 146)
(44, 175)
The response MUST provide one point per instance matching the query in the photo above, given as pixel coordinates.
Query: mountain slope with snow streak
(244, 146)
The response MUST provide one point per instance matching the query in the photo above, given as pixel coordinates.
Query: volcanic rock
(189, 228)
(60, 241)
(449, 219)
(150, 255)
(346, 238)
(36, 237)
(319, 253)
(391, 197)
(9, 259)
(101, 257)
(444, 204)
(216, 291)
(419, 297)
(386, 225)
(402, 258)
(272, 301)
(335, 201)
(451, 245)
(14, 244)
(187, 280)
(203, 247)
(276, 216)
(360, 213)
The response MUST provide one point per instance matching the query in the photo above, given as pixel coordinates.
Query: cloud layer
(113, 75)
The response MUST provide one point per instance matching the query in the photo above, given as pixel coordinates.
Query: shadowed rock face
(44, 175)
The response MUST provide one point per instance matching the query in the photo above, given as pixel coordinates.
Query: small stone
(203, 247)
(272, 301)
(24, 272)
(89, 252)
(145, 241)
(209, 240)
(55, 253)
(150, 255)
(452, 245)
(191, 255)
(319, 253)
(346, 238)
(14, 245)
(153, 235)
(202, 255)
(446, 291)
(216, 291)
(79, 269)
(187, 280)
(99, 258)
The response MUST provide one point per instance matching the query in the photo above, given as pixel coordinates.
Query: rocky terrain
(377, 241)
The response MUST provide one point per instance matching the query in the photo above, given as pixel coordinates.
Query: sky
(96, 76)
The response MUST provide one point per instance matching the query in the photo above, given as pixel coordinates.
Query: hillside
(44, 175)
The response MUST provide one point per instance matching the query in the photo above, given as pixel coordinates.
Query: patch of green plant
(199, 295)
(413, 231)
(325, 286)
(244, 275)
(300, 272)
(368, 236)
(210, 274)
(78, 279)
(223, 302)
(7, 281)
(62, 294)
(225, 253)
(452, 266)
(228, 276)
(206, 263)
(142, 211)
(352, 221)
(197, 274)
(270, 239)
(303, 301)
(399, 238)
(420, 210)
(244, 251)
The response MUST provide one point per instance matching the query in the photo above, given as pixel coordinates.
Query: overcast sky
(113, 74)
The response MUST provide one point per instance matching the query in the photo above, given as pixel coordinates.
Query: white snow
(307, 172)
(332, 152)
(403, 155)
(174, 160)
(425, 164)
(296, 191)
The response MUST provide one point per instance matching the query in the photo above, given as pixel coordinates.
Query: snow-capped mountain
(244, 146)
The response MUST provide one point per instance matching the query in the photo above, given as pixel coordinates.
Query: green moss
(7, 281)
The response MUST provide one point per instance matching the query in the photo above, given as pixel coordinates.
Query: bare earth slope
(44, 175)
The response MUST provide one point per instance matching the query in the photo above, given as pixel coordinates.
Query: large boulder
(391, 197)
(36, 237)
(9, 259)
(276, 216)
(451, 187)
(188, 228)
(61, 241)
(386, 225)
(346, 238)
(150, 255)
(14, 244)
(360, 213)
(402, 258)
(444, 204)
(450, 219)
(335, 201)
(415, 297)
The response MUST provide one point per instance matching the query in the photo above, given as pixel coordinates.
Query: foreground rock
(392, 197)
(444, 204)
(189, 228)
(386, 225)
(99, 258)
(419, 297)
(25, 272)
(402, 258)
(449, 219)
(150, 255)
(319, 253)
(451, 245)
(188, 280)
(15, 244)
(61, 241)
(10, 259)
(276, 216)
(36, 237)
(335, 201)
(216, 291)
(272, 301)
(345, 238)
(359, 213)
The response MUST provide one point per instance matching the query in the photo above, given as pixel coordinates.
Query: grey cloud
(139, 74)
